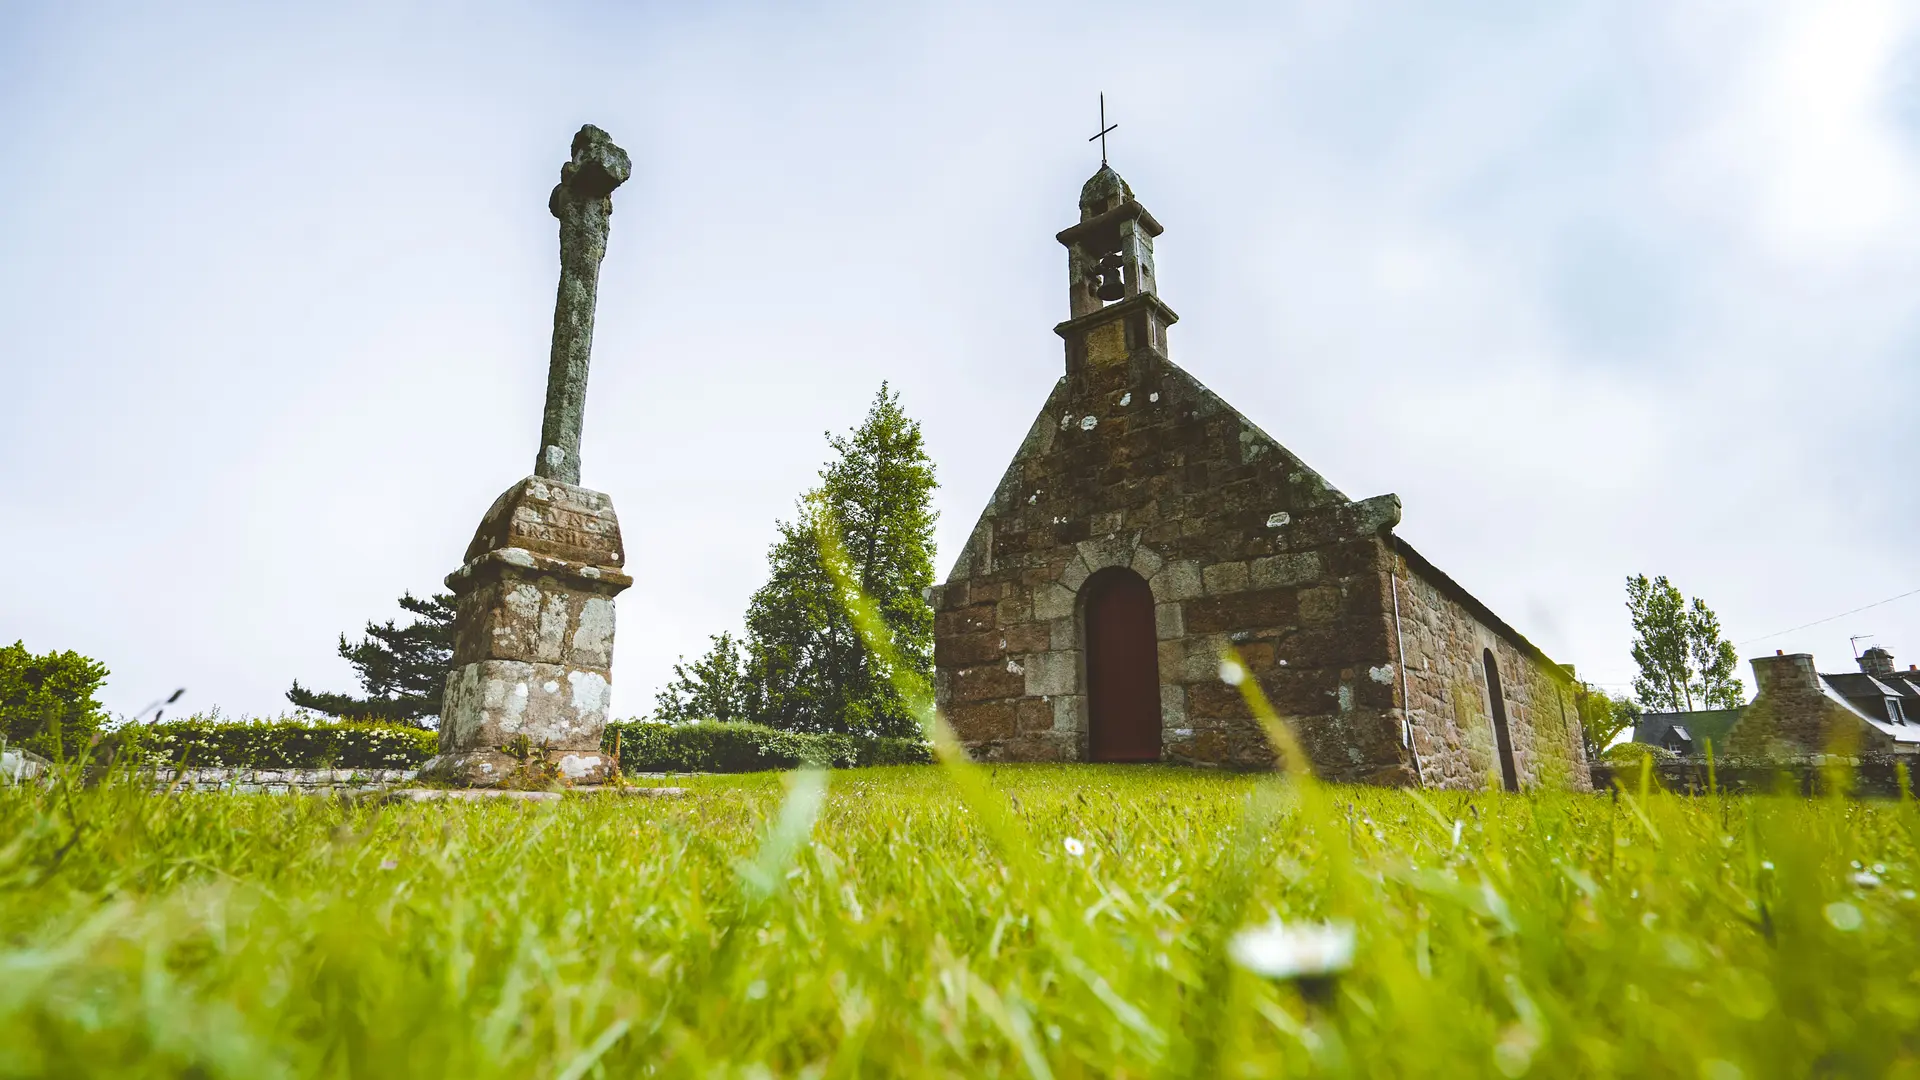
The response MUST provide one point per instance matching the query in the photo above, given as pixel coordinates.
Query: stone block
(1178, 580)
(1173, 706)
(1224, 577)
(1028, 637)
(958, 650)
(1053, 602)
(1249, 610)
(1063, 633)
(1069, 712)
(1075, 573)
(982, 721)
(1146, 562)
(1320, 605)
(1053, 673)
(987, 682)
(964, 620)
(1286, 569)
(1031, 715)
(1169, 621)
(1107, 551)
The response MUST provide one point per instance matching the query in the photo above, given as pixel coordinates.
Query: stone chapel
(1145, 524)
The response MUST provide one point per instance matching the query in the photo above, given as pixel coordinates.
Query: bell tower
(1113, 302)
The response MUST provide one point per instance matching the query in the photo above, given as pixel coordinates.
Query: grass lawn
(903, 922)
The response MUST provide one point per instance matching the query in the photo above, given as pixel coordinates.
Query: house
(1687, 733)
(1799, 711)
(1145, 528)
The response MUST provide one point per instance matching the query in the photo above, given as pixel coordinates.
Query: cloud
(1597, 288)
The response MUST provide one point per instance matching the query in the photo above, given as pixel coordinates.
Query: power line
(1830, 618)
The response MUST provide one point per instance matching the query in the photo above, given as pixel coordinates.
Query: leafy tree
(402, 669)
(1602, 717)
(810, 670)
(1713, 657)
(1679, 649)
(47, 702)
(713, 687)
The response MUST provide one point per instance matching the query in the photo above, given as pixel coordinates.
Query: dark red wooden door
(1123, 668)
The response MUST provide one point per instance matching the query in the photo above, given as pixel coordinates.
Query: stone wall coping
(1128, 210)
(297, 777)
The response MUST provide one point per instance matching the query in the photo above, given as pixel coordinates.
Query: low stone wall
(17, 765)
(281, 781)
(1867, 777)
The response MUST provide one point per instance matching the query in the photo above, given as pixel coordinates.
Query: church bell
(1110, 287)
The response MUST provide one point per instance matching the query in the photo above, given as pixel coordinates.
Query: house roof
(1695, 727)
(1866, 697)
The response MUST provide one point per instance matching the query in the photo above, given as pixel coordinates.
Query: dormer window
(1894, 712)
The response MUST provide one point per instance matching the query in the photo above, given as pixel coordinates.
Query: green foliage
(1632, 752)
(737, 747)
(807, 667)
(1679, 649)
(212, 742)
(402, 669)
(878, 928)
(1602, 718)
(714, 687)
(47, 701)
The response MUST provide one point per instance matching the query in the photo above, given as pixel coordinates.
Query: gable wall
(1133, 463)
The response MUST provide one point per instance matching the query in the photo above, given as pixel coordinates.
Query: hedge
(282, 744)
(644, 747)
(711, 746)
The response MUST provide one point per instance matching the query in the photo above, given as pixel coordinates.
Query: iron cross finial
(1104, 128)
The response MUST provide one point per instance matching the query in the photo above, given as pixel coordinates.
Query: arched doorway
(1509, 776)
(1123, 668)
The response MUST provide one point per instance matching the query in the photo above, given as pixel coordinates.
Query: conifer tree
(809, 669)
(402, 669)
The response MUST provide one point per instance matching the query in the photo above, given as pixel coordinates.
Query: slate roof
(1686, 732)
(1866, 695)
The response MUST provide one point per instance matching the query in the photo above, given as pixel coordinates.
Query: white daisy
(1281, 950)
(1074, 847)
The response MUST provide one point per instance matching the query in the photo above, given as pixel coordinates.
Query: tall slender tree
(1684, 661)
(810, 671)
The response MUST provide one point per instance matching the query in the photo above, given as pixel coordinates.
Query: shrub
(710, 746)
(46, 702)
(1630, 753)
(282, 744)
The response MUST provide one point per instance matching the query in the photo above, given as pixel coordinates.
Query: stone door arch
(1123, 667)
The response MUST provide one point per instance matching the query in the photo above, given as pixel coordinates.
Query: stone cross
(583, 201)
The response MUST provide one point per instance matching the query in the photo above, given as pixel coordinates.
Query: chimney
(1785, 672)
(1876, 661)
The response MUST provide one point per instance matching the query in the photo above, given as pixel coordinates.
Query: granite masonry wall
(1448, 698)
(281, 781)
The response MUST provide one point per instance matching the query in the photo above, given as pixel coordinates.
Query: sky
(1597, 288)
